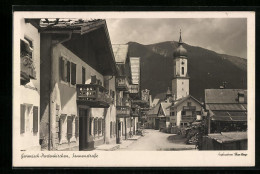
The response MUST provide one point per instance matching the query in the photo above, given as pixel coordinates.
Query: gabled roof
(223, 95)
(165, 108)
(120, 52)
(180, 101)
(155, 101)
(154, 110)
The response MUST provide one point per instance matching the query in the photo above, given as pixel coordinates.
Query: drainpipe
(52, 109)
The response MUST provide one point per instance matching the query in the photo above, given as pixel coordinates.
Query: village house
(29, 87)
(135, 92)
(123, 103)
(151, 117)
(227, 110)
(77, 78)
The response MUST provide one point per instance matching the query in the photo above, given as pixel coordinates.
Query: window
(198, 112)
(183, 112)
(25, 111)
(35, 119)
(172, 113)
(83, 75)
(67, 71)
(189, 103)
(182, 70)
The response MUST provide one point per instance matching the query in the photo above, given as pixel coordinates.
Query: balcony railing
(188, 118)
(27, 69)
(133, 89)
(123, 111)
(93, 95)
(189, 108)
(122, 83)
(135, 112)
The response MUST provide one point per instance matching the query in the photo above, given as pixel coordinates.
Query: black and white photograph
(133, 89)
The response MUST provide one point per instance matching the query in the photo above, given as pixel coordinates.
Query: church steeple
(180, 40)
(180, 82)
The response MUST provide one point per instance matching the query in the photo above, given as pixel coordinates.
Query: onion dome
(180, 51)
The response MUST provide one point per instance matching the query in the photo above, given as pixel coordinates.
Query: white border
(140, 158)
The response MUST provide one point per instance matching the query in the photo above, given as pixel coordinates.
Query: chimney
(241, 97)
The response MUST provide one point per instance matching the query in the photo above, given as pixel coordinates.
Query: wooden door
(83, 128)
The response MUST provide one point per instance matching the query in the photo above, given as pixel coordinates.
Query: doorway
(84, 130)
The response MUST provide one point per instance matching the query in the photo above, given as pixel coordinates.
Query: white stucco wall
(30, 93)
(180, 87)
(65, 94)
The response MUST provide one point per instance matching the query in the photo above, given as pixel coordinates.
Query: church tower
(180, 82)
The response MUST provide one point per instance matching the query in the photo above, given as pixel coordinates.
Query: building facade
(77, 108)
(29, 87)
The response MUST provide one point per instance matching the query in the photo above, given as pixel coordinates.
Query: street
(153, 140)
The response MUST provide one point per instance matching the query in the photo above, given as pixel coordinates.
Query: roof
(227, 107)
(72, 24)
(223, 95)
(154, 110)
(228, 116)
(135, 69)
(120, 52)
(166, 108)
(155, 101)
(226, 137)
(180, 101)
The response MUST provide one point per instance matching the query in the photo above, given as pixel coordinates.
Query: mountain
(206, 68)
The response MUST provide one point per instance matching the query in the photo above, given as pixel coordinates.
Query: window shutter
(73, 73)
(103, 126)
(68, 71)
(111, 129)
(62, 68)
(83, 75)
(69, 127)
(77, 127)
(35, 119)
(22, 121)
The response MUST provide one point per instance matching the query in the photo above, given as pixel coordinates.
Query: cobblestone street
(153, 140)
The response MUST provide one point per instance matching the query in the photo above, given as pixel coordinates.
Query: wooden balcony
(123, 111)
(133, 89)
(189, 108)
(135, 112)
(93, 95)
(141, 103)
(27, 69)
(122, 83)
(188, 118)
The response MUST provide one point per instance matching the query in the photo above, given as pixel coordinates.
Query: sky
(222, 35)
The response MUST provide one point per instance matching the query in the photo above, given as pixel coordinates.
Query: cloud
(223, 35)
